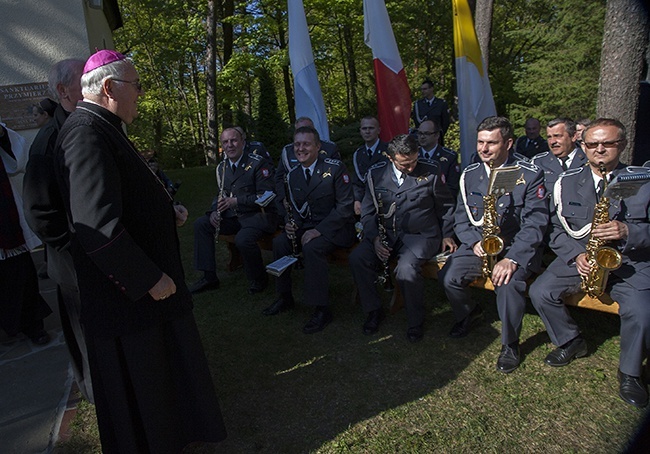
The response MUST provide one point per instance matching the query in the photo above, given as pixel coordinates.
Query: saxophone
(383, 278)
(602, 259)
(491, 243)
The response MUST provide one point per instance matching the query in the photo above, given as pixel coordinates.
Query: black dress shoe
(632, 390)
(258, 287)
(461, 328)
(508, 358)
(577, 348)
(414, 334)
(372, 322)
(319, 320)
(41, 337)
(284, 303)
(203, 285)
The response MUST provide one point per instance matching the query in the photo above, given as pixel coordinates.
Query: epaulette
(637, 169)
(449, 151)
(332, 161)
(429, 162)
(377, 165)
(539, 156)
(255, 156)
(472, 166)
(323, 152)
(570, 172)
(255, 143)
(520, 157)
(528, 166)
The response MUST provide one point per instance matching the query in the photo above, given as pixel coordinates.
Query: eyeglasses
(608, 144)
(135, 83)
(426, 133)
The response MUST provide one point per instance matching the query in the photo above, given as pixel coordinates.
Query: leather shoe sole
(415, 334)
(509, 359)
(462, 328)
(371, 326)
(562, 356)
(632, 390)
(318, 322)
(203, 285)
(278, 306)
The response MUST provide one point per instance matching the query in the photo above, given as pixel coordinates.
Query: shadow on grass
(284, 391)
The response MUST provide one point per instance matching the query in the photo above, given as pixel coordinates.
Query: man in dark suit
(521, 216)
(563, 154)
(628, 231)
(45, 213)
(428, 134)
(409, 199)
(370, 153)
(320, 196)
(241, 179)
(431, 108)
(151, 383)
(532, 143)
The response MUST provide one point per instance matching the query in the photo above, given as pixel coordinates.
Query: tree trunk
(286, 77)
(212, 149)
(352, 67)
(625, 42)
(483, 26)
(228, 40)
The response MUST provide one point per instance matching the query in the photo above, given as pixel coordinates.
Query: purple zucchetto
(101, 58)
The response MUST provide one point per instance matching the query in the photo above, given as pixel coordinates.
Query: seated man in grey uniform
(370, 153)
(521, 216)
(289, 160)
(402, 214)
(428, 134)
(564, 154)
(241, 179)
(627, 230)
(320, 204)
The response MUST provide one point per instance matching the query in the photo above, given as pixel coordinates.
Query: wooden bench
(603, 303)
(430, 270)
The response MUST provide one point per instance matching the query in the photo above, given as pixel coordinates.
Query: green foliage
(270, 125)
(544, 61)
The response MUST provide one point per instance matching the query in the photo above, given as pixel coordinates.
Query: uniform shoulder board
(449, 151)
(570, 172)
(293, 169)
(255, 156)
(528, 166)
(637, 169)
(539, 156)
(332, 161)
(378, 165)
(255, 143)
(520, 157)
(472, 166)
(429, 162)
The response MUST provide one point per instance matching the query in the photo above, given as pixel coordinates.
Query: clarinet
(221, 184)
(384, 278)
(289, 208)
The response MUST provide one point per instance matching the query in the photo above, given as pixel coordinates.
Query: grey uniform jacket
(575, 197)
(553, 168)
(326, 203)
(254, 176)
(423, 207)
(522, 214)
(449, 168)
(362, 162)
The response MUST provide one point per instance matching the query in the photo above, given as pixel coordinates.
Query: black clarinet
(287, 206)
(384, 277)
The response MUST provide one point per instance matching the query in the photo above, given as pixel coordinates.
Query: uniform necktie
(563, 162)
(402, 178)
(426, 155)
(601, 188)
(307, 175)
(234, 168)
(369, 151)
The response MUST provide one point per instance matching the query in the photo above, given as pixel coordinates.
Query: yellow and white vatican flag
(475, 100)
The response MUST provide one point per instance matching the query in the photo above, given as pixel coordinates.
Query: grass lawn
(339, 391)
